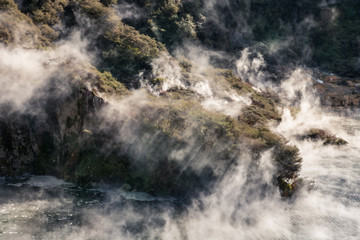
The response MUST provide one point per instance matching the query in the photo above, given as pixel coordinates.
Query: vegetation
(17, 28)
(6, 5)
(125, 52)
(335, 45)
(75, 145)
(330, 31)
(326, 137)
(106, 83)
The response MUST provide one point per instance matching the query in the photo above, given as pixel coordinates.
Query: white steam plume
(215, 95)
(25, 72)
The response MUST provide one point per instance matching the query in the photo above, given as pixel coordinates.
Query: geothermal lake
(43, 207)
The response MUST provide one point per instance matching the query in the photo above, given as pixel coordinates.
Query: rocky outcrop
(338, 92)
(68, 140)
(37, 143)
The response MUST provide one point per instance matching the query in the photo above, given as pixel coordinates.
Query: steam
(302, 110)
(214, 94)
(127, 117)
(26, 73)
(244, 204)
(22, 31)
(212, 11)
(250, 69)
(128, 11)
(239, 206)
(168, 71)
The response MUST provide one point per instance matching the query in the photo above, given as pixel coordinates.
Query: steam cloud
(27, 73)
(240, 207)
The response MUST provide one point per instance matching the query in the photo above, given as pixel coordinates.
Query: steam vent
(179, 119)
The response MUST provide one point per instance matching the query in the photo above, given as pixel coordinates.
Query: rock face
(28, 142)
(338, 92)
(148, 148)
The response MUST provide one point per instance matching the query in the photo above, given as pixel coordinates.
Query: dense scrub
(318, 33)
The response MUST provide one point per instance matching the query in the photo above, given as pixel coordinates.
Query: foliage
(108, 84)
(48, 32)
(288, 160)
(168, 22)
(232, 25)
(336, 45)
(7, 5)
(125, 51)
(47, 12)
(326, 137)
(85, 155)
(187, 27)
(93, 8)
(17, 28)
(108, 2)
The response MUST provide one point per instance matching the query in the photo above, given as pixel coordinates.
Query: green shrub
(108, 84)
(93, 8)
(7, 5)
(288, 160)
(326, 137)
(48, 32)
(125, 51)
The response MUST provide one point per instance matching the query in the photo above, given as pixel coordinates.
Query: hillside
(162, 96)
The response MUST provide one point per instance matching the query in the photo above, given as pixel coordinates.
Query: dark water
(44, 207)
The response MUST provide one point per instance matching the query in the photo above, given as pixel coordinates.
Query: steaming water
(44, 207)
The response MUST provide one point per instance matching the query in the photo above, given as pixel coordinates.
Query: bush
(326, 137)
(125, 52)
(7, 5)
(93, 8)
(288, 160)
